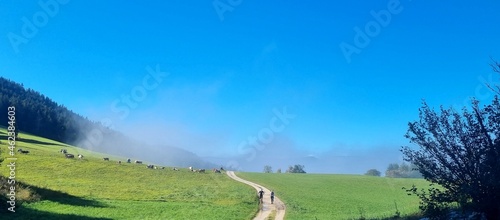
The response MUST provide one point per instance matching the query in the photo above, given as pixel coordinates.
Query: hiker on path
(272, 196)
(261, 195)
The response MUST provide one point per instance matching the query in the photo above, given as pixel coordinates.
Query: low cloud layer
(339, 159)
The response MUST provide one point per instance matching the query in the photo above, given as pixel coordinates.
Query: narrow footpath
(267, 208)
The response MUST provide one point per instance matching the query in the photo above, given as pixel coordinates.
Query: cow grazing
(175, 169)
(69, 155)
(64, 151)
(23, 151)
(216, 170)
(80, 156)
(119, 162)
(106, 158)
(138, 162)
(128, 160)
(191, 169)
(150, 166)
(201, 171)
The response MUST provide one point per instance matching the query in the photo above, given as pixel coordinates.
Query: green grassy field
(318, 196)
(58, 188)
(95, 189)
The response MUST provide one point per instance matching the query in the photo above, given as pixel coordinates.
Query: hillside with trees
(39, 115)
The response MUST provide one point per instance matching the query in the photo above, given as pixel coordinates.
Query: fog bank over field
(137, 148)
(177, 144)
(340, 159)
(164, 133)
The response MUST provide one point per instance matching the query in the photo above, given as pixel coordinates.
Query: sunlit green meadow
(328, 196)
(93, 188)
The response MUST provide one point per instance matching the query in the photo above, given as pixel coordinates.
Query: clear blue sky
(229, 67)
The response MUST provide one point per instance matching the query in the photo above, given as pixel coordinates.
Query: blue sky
(230, 67)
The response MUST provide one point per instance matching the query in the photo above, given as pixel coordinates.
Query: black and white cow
(23, 151)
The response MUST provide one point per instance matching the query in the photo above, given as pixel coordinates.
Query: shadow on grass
(26, 213)
(40, 194)
(411, 217)
(22, 212)
(64, 198)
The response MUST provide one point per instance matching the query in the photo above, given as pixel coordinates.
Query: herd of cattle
(150, 166)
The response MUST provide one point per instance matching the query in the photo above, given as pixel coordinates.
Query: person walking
(261, 195)
(272, 196)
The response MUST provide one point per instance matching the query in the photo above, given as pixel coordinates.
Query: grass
(95, 189)
(54, 187)
(326, 196)
(272, 215)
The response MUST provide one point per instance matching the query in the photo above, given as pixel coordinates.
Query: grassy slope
(318, 196)
(93, 188)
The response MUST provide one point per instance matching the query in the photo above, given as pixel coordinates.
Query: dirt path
(267, 207)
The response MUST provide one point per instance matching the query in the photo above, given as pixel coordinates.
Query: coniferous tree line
(39, 115)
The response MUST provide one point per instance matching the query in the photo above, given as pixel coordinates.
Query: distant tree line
(297, 168)
(403, 170)
(373, 172)
(39, 115)
(394, 170)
